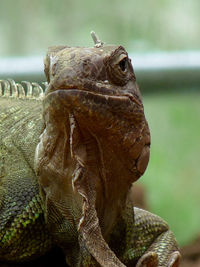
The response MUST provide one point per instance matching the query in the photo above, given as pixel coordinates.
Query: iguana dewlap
(67, 163)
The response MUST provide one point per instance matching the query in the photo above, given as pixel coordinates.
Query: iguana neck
(99, 161)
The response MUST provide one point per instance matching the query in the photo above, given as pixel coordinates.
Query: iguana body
(72, 189)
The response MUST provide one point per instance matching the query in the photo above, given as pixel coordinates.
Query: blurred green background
(28, 27)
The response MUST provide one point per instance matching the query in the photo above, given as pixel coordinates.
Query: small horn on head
(97, 41)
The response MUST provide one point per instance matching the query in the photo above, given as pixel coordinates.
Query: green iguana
(68, 160)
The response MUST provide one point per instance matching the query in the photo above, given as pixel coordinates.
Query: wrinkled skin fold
(94, 146)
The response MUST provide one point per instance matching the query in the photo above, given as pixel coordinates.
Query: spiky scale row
(25, 89)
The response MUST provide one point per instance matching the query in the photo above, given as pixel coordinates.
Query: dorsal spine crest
(25, 89)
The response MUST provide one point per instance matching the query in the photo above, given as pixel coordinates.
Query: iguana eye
(119, 68)
(123, 64)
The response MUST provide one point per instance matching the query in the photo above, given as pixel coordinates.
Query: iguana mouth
(107, 96)
(98, 88)
(119, 101)
(72, 98)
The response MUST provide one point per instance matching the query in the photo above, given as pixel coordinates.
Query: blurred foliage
(173, 175)
(29, 27)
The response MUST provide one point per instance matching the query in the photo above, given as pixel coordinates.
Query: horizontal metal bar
(154, 71)
(167, 60)
(167, 71)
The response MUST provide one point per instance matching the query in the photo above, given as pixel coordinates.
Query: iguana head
(95, 143)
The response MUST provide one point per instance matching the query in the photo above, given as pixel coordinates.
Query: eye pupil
(122, 64)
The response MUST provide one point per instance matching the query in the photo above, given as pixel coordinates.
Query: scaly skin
(23, 232)
(94, 144)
